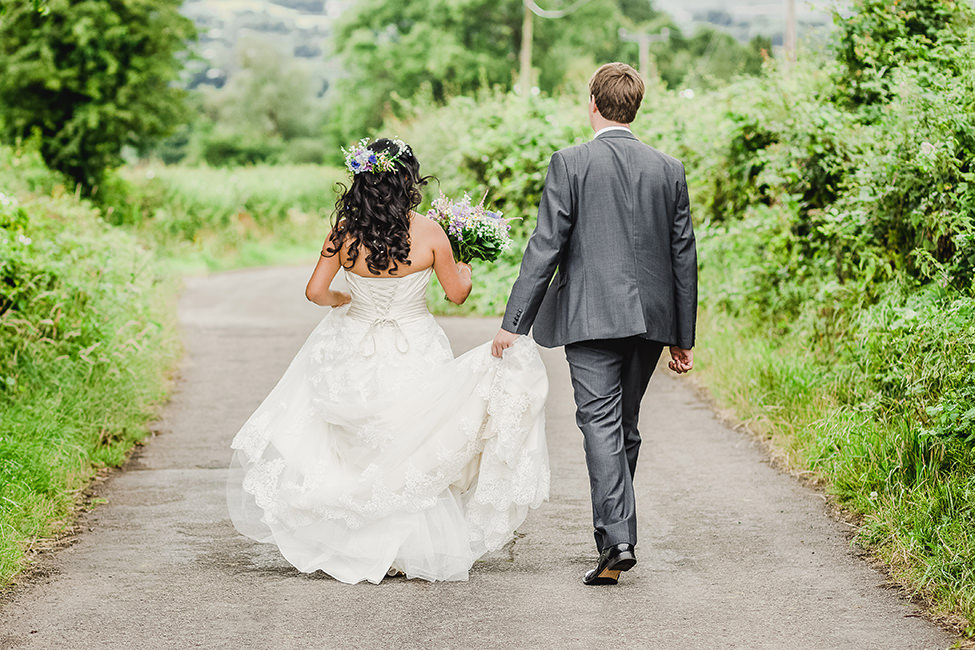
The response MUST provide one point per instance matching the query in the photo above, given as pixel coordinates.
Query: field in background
(206, 219)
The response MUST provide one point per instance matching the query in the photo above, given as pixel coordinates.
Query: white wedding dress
(379, 451)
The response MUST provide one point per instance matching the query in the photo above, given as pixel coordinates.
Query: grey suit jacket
(615, 219)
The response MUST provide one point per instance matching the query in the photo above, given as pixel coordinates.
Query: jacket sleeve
(683, 256)
(552, 229)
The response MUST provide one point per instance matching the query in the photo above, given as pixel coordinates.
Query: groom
(614, 218)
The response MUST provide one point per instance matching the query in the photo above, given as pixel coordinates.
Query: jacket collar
(618, 132)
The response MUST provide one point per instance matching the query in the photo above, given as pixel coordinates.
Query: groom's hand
(502, 342)
(681, 360)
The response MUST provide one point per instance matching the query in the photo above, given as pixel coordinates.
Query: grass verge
(88, 330)
(87, 339)
(911, 494)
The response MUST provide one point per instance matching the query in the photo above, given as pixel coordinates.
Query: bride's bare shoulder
(425, 227)
(421, 220)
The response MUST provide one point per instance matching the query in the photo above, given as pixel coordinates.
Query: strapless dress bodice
(400, 299)
(387, 305)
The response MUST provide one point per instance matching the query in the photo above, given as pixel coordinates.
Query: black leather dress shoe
(612, 561)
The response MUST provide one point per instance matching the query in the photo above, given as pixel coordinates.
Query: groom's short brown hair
(618, 91)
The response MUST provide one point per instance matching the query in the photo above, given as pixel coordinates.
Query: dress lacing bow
(367, 346)
(382, 297)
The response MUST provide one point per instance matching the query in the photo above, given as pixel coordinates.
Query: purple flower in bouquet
(475, 233)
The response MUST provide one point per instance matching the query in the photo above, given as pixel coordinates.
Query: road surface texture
(732, 553)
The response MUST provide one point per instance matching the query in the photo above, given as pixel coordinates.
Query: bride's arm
(319, 285)
(454, 277)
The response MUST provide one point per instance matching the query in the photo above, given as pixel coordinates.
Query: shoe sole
(624, 562)
(600, 581)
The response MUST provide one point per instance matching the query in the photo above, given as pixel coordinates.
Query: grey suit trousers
(609, 378)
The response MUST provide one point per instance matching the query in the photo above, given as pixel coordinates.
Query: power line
(554, 13)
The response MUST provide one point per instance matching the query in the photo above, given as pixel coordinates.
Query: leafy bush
(877, 39)
(91, 77)
(497, 143)
(839, 242)
(86, 341)
(233, 149)
(305, 151)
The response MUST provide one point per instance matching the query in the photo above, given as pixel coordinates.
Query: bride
(378, 452)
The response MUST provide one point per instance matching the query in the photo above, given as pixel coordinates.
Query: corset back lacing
(373, 301)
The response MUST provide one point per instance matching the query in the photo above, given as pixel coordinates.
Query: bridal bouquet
(475, 232)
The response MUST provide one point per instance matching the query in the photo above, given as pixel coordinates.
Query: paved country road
(732, 554)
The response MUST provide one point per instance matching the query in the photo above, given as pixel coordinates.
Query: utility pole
(648, 69)
(525, 76)
(531, 7)
(791, 32)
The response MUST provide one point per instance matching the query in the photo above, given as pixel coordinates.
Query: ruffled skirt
(377, 450)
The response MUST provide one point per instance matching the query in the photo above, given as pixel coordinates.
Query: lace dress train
(378, 450)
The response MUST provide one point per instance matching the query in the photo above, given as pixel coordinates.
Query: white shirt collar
(611, 128)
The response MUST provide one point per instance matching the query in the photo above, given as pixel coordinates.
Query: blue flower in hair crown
(360, 158)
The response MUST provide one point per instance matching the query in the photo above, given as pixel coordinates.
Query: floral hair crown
(360, 158)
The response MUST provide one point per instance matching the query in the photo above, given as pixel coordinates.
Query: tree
(589, 33)
(449, 47)
(267, 111)
(90, 77)
(270, 95)
(638, 11)
(445, 46)
(439, 48)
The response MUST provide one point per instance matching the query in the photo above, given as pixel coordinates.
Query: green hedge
(837, 246)
(86, 340)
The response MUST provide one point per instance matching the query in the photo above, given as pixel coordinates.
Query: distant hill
(745, 19)
(296, 28)
(302, 28)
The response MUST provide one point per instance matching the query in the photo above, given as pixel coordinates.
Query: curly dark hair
(374, 211)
